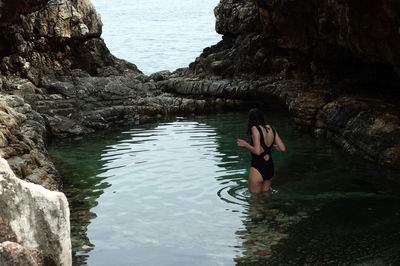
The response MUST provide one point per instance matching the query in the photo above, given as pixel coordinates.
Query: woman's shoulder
(254, 129)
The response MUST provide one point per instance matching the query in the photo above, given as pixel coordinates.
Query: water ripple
(237, 195)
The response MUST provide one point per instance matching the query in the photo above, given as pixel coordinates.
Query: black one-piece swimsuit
(263, 162)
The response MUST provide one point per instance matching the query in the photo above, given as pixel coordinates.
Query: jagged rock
(61, 36)
(236, 17)
(10, 10)
(22, 142)
(39, 218)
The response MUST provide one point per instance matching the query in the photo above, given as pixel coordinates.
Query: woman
(263, 138)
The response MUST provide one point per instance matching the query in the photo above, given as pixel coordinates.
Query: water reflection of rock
(80, 205)
(316, 231)
(266, 223)
(356, 231)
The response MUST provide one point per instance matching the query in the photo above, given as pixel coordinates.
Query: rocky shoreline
(337, 72)
(361, 125)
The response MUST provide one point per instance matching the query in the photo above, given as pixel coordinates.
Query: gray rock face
(38, 217)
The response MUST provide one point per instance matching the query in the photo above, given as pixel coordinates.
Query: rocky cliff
(333, 64)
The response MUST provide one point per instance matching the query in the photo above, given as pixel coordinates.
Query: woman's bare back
(268, 135)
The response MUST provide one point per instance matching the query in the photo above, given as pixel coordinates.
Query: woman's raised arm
(279, 145)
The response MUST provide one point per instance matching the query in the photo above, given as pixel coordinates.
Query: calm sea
(158, 34)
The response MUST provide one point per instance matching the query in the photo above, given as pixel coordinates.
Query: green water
(174, 192)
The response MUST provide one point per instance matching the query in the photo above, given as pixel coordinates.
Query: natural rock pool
(174, 192)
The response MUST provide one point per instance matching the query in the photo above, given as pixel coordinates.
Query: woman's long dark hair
(256, 118)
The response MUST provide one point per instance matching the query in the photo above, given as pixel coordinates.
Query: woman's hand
(242, 143)
(276, 147)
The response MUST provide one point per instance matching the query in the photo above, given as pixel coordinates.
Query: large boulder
(38, 217)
